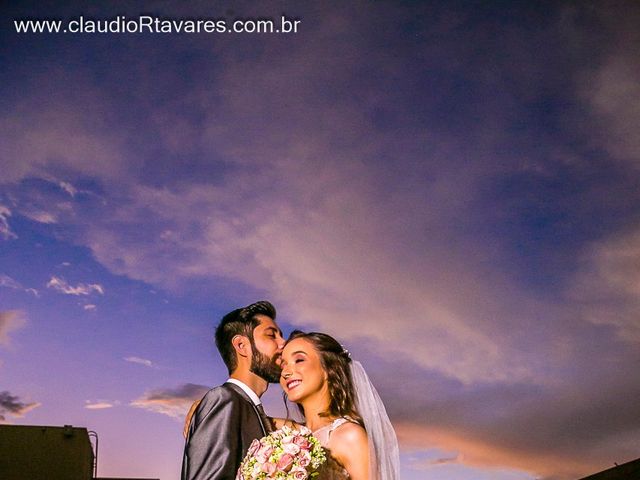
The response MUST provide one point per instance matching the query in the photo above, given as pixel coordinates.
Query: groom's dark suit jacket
(221, 430)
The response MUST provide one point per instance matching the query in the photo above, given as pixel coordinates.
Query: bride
(341, 407)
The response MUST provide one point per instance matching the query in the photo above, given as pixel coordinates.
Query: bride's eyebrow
(284, 362)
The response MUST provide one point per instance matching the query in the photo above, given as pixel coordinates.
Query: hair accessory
(346, 352)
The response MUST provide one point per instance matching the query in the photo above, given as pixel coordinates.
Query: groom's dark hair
(241, 321)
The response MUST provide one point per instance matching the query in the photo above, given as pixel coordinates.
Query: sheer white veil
(384, 456)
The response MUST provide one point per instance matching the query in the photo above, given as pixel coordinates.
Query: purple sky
(452, 189)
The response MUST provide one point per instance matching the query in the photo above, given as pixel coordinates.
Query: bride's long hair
(335, 362)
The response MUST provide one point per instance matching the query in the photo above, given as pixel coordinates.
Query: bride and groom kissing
(339, 404)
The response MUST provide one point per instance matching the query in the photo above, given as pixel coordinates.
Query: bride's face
(302, 374)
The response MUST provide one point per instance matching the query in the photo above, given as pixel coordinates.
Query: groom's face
(267, 345)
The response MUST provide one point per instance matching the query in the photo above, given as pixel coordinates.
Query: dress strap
(323, 433)
(337, 422)
(340, 421)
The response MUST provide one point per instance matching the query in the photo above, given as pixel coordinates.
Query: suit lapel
(246, 397)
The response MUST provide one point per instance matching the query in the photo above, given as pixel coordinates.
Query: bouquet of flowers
(286, 454)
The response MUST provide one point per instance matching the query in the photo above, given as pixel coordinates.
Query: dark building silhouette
(45, 453)
(626, 471)
(48, 453)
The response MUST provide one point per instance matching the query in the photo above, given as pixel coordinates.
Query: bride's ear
(241, 345)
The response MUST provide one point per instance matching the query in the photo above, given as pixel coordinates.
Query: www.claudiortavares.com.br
(150, 24)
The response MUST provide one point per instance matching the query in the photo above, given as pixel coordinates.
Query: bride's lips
(291, 384)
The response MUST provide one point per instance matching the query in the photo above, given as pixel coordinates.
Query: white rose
(291, 448)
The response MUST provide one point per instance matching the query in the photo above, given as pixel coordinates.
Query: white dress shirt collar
(252, 395)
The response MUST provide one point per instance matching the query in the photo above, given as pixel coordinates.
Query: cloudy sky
(452, 189)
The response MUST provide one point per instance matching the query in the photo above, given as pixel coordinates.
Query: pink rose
(263, 454)
(305, 459)
(302, 442)
(269, 468)
(253, 448)
(299, 473)
(287, 439)
(285, 462)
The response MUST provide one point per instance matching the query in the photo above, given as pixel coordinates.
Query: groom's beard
(265, 367)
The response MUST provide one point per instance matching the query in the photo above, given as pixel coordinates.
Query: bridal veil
(384, 457)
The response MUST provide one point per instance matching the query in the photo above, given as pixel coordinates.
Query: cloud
(446, 460)
(43, 199)
(12, 405)
(607, 289)
(141, 361)
(40, 216)
(36, 140)
(174, 402)
(67, 187)
(612, 92)
(423, 464)
(5, 229)
(60, 285)
(480, 454)
(563, 430)
(7, 281)
(10, 321)
(98, 405)
(89, 306)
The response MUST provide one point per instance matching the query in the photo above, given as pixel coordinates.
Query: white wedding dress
(331, 469)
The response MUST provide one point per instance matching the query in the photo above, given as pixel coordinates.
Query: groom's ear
(241, 345)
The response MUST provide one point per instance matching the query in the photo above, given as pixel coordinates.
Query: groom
(229, 417)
